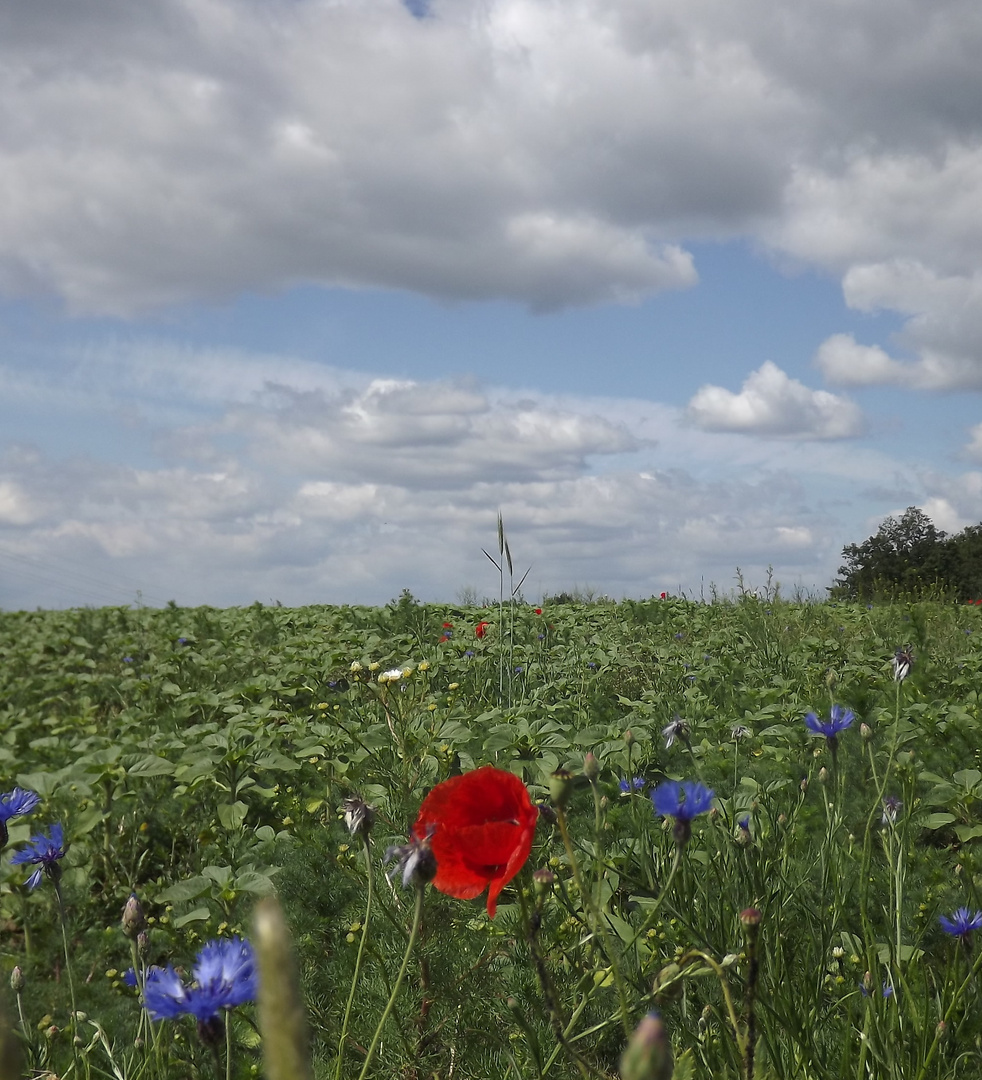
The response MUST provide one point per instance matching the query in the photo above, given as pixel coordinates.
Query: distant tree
(966, 557)
(906, 556)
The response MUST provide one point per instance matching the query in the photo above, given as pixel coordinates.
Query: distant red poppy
(481, 629)
(448, 626)
(481, 826)
(663, 596)
(538, 611)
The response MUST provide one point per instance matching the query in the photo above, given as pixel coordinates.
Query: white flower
(391, 676)
(677, 729)
(355, 667)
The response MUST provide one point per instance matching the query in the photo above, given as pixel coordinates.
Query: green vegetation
(201, 758)
(908, 556)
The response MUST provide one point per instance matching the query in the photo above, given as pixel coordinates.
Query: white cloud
(773, 404)
(548, 152)
(844, 362)
(330, 491)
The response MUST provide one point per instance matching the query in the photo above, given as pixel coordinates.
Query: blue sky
(296, 296)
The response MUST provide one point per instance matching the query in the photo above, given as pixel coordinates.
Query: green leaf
(937, 821)
(189, 889)
(199, 914)
(232, 815)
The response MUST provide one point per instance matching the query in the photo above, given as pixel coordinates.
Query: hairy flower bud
(17, 980)
(359, 817)
(591, 767)
(648, 1054)
(560, 787)
(133, 920)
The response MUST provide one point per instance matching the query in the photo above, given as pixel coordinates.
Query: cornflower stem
(939, 1030)
(228, 1045)
(63, 919)
(361, 952)
(649, 919)
(23, 1022)
(413, 935)
(598, 924)
(740, 1034)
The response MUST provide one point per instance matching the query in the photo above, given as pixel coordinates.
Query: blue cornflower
(839, 719)
(961, 924)
(683, 802)
(224, 977)
(15, 803)
(44, 852)
(468, 653)
(127, 659)
(634, 784)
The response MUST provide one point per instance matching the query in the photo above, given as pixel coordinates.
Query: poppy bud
(629, 738)
(143, 942)
(866, 731)
(133, 920)
(591, 767)
(823, 775)
(17, 980)
(560, 787)
(648, 1054)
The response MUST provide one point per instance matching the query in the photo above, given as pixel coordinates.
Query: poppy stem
(361, 953)
(413, 934)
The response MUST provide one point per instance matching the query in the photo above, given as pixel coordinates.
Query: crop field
(739, 838)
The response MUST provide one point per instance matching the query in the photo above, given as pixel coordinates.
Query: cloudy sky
(296, 295)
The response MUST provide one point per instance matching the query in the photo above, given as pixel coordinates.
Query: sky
(296, 296)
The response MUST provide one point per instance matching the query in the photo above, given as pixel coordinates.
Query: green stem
(358, 960)
(599, 924)
(413, 934)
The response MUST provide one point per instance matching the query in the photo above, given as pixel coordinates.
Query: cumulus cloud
(542, 152)
(773, 404)
(347, 489)
(844, 362)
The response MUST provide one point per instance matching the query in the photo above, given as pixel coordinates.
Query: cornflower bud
(133, 920)
(648, 1054)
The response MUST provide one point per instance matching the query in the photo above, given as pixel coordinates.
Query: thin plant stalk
(361, 952)
(410, 945)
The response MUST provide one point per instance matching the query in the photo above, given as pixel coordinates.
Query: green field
(201, 757)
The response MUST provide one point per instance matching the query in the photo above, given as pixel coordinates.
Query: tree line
(908, 556)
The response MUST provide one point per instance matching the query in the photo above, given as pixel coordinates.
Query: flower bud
(648, 1054)
(629, 738)
(560, 787)
(133, 920)
(543, 880)
(866, 732)
(591, 767)
(17, 980)
(359, 817)
(823, 775)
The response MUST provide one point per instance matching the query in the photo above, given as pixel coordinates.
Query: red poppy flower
(448, 626)
(538, 611)
(481, 826)
(663, 596)
(481, 629)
